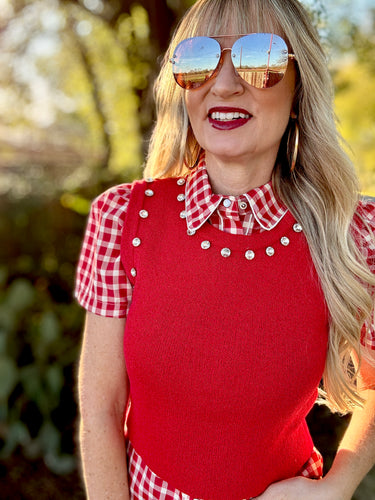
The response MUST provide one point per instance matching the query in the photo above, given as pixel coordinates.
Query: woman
(243, 272)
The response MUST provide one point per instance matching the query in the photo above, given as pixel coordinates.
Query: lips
(226, 118)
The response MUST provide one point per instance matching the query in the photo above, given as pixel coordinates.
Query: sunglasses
(261, 59)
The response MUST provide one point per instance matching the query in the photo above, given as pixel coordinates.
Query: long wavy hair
(322, 192)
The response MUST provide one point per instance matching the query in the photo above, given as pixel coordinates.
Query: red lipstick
(228, 118)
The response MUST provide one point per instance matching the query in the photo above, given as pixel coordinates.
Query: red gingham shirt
(103, 288)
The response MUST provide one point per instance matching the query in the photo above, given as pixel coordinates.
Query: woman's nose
(227, 81)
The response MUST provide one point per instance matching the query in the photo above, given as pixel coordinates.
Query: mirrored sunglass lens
(195, 60)
(261, 59)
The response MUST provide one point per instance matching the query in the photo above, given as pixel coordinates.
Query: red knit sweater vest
(224, 354)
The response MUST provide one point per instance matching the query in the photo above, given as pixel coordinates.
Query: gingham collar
(201, 202)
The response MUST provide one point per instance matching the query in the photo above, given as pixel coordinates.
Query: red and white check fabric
(146, 485)
(255, 211)
(101, 283)
(103, 288)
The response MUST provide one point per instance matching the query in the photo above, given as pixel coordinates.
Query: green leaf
(20, 295)
(49, 327)
(55, 379)
(49, 438)
(8, 377)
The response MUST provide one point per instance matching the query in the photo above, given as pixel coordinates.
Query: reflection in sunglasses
(261, 59)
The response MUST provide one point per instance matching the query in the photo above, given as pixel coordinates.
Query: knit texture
(224, 355)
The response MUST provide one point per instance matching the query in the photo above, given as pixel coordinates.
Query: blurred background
(76, 111)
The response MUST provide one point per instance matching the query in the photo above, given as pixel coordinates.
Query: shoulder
(112, 204)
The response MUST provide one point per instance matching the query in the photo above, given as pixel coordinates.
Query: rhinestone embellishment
(136, 242)
(183, 214)
(143, 214)
(225, 252)
(150, 179)
(181, 182)
(285, 241)
(270, 251)
(205, 245)
(181, 197)
(250, 255)
(297, 228)
(191, 232)
(149, 192)
(133, 272)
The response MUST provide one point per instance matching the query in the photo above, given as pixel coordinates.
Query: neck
(236, 178)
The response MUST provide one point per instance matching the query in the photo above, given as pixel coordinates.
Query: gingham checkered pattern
(102, 286)
(146, 485)
(256, 211)
(101, 283)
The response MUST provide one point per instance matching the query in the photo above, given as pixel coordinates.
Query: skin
(243, 158)
(237, 160)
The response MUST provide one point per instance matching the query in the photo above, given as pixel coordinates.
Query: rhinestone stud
(181, 182)
(205, 245)
(149, 192)
(136, 242)
(297, 228)
(150, 179)
(143, 214)
(270, 251)
(285, 241)
(181, 197)
(183, 214)
(191, 232)
(249, 255)
(133, 272)
(225, 252)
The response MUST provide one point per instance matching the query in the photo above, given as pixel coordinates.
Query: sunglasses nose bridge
(224, 50)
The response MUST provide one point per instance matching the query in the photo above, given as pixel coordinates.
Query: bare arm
(356, 453)
(354, 458)
(103, 395)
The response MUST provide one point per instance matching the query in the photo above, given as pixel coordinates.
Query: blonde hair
(322, 192)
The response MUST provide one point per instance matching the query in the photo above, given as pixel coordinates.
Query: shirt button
(297, 228)
(270, 251)
(227, 203)
(181, 182)
(181, 197)
(143, 214)
(136, 242)
(225, 252)
(250, 255)
(149, 192)
(243, 205)
(205, 245)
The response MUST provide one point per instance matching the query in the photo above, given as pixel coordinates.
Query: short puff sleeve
(102, 286)
(363, 229)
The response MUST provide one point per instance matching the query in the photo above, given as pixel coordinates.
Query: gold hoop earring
(296, 145)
